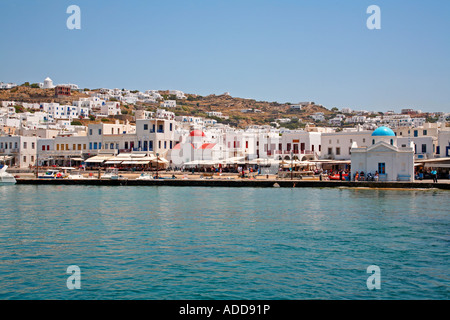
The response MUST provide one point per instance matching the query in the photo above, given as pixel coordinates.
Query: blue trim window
(381, 168)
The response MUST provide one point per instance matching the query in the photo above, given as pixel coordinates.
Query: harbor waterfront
(161, 242)
(266, 183)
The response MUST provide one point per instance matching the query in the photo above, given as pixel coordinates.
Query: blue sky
(285, 51)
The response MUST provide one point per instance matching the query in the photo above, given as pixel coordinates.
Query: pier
(257, 183)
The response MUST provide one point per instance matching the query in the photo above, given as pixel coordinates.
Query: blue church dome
(383, 131)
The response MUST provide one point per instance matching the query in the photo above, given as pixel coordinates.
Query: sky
(283, 50)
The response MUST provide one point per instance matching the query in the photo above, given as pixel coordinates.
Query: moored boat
(5, 177)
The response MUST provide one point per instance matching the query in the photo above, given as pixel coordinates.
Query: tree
(35, 85)
(334, 109)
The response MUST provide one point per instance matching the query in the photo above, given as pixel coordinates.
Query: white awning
(98, 159)
(136, 162)
(113, 161)
(437, 165)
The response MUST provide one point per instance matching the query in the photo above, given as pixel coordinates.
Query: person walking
(434, 175)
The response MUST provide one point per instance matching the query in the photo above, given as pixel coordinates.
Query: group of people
(360, 176)
(433, 173)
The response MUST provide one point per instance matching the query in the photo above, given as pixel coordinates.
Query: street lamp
(292, 163)
(157, 157)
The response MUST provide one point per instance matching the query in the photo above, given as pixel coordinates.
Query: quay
(256, 183)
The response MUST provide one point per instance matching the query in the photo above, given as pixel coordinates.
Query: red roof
(178, 146)
(197, 133)
(207, 146)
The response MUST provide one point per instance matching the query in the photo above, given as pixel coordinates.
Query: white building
(393, 163)
(168, 104)
(48, 83)
(111, 108)
(20, 150)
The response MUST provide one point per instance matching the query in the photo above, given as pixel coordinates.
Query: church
(384, 156)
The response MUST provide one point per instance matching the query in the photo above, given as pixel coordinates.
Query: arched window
(392, 141)
(373, 141)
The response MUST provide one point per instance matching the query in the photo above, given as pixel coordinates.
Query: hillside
(262, 113)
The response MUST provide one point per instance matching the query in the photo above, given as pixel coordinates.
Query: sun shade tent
(98, 159)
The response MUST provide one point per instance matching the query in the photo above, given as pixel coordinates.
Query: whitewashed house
(384, 156)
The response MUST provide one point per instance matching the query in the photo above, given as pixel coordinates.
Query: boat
(112, 174)
(5, 177)
(338, 177)
(145, 176)
(51, 174)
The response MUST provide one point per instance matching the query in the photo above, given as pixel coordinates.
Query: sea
(218, 243)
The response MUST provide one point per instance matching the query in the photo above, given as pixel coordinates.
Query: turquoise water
(223, 243)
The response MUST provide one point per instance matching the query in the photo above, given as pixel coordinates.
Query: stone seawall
(238, 183)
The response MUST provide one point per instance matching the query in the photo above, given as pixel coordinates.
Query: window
(320, 147)
(111, 146)
(43, 148)
(32, 145)
(246, 144)
(24, 145)
(90, 132)
(90, 145)
(312, 147)
(170, 144)
(24, 158)
(150, 145)
(382, 168)
(95, 145)
(100, 132)
(84, 147)
(424, 148)
(364, 140)
(392, 141)
(32, 158)
(425, 132)
(338, 151)
(288, 147)
(170, 127)
(62, 146)
(74, 147)
(159, 144)
(416, 133)
(126, 144)
(165, 144)
(373, 141)
(145, 126)
(330, 150)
